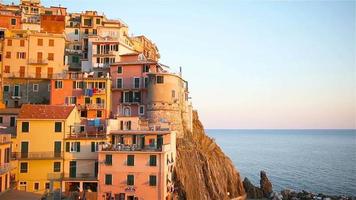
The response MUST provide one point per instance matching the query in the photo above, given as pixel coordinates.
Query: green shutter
(130, 180)
(130, 160)
(153, 160)
(67, 146)
(78, 146)
(92, 146)
(108, 179)
(108, 159)
(153, 180)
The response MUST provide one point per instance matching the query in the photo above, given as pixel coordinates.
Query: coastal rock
(202, 170)
(252, 191)
(265, 184)
(276, 196)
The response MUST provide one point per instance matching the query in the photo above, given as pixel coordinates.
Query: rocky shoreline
(265, 191)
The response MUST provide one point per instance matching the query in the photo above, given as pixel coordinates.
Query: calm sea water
(314, 160)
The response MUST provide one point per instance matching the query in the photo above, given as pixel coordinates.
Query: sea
(318, 161)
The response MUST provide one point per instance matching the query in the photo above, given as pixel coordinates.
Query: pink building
(138, 163)
(129, 84)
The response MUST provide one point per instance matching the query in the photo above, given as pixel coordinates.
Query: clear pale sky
(253, 64)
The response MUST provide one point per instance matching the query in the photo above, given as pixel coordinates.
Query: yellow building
(28, 54)
(5, 165)
(39, 145)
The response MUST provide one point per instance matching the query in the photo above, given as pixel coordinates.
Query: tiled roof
(29, 111)
(9, 111)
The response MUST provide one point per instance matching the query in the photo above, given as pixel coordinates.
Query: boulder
(265, 184)
(252, 191)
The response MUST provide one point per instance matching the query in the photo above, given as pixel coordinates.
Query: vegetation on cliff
(202, 170)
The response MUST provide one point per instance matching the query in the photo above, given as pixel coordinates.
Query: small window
(9, 42)
(153, 180)
(76, 31)
(136, 82)
(86, 31)
(22, 43)
(94, 32)
(58, 127)
(160, 79)
(35, 87)
(119, 70)
(75, 59)
(108, 179)
(145, 68)
(119, 83)
(58, 84)
(130, 180)
(146, 82)
(36, 186)
(97, 21)
(51, 42)
(24, 167)
(108, 159)
(141, 110)
(13, 22)
(130, 160)
(8, 54)
(51, 56)
(6, 88)
(153, 160)
(40, 42)
(1, 120)
(99, 113)
(25, 127)
(47, 186)
(72, 146)
(56, 166)
(94, 146)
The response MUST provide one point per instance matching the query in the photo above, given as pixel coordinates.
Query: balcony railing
(92, 106)
(36, 155)
(133, 147)
(6, 167)
(82, 176)
(86, 136)
(38, 62)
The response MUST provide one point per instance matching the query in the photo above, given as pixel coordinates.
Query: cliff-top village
(86, 108)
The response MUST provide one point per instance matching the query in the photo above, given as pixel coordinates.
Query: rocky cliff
(202, 170)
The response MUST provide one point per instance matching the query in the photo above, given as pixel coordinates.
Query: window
(99, 113)
(51, 43)
(130, 180)
(36, 186)
(23, 167)
(50, 56)
(141, 110)
(7, 69)
(6, 88)
(58, 84)
(35, 87)
(130, 160)
(87, 22)
(13, 22)
(94, 32)
(119, 83)
(72, 146)
(94, 146)
(153, 160)
(173, 94)
(9, 42)
(76, 31)
(78, 84)
(17, 90)
(75, 59)
(8, 54)
(56, 166)
(22, 43)
(1, 121)
(58, 127)
(40, 42)
(108, 179)
(47, 186)
(21, 55)
(145, 68)
(146, 82)
(119, 70)
(71, 100)
(97, 21)
(136, 82)
(86, 31)
(108, 159)
(160, 79)
(153, 180)
(25, 127)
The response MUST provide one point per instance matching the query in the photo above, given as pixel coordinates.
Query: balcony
(133, 147)
(38, 62)
(101, 65)
(45, 155)
(100, 135)
(5, 139)
(4, 168)
(80, 176)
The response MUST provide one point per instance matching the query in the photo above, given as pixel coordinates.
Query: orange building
(53, 23)
(138, 163)
(92, 95)
(10, 19)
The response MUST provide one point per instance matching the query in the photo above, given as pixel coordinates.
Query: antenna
(180, 71)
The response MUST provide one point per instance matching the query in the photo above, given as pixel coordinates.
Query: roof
(9, 111)
(30, 111)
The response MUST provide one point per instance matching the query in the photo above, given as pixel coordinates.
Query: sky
(252, 64)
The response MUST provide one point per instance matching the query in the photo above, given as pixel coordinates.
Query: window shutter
(78, 146)
(67, 146)
(92, 146)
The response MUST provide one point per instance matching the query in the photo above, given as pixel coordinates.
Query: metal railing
(38, 61)
(133, 147)
(36, 155)
(87, 176)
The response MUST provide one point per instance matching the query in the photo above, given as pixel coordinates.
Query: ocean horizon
(315, 160)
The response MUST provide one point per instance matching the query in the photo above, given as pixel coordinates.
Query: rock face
(202, 170)
(265, 184)
(252, 191)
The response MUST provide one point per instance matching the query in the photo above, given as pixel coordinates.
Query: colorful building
(138, 163)
(5, 165)
(39, 145)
